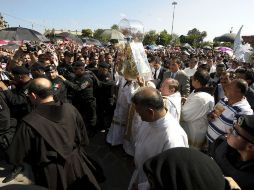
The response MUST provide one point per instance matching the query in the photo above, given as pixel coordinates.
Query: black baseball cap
(20, 70)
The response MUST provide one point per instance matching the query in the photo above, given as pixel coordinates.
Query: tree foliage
(150, 37)
(115, 26)
(193, 37)
(97, 35)
(87, 32)
(163, 38)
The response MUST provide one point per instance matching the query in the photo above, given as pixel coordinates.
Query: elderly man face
(166, 89)
(233, 90)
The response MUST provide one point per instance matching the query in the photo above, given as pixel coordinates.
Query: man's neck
(175, 71)
(46, 100)
(234, 100)
(160, 114)
(246, 156)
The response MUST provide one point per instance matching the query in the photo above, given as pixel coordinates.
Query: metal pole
(174, 5)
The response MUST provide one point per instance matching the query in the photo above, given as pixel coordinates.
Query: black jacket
(52, 139)
(227, 158)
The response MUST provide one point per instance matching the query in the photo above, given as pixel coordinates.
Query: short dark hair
(177, 60)
(68, 54)
(221, 65)
(202, 77)
(249, 75)
(242, 85)
(154, 100)
(240, 70)
(40, 90)
(205, 67)
(155, 59)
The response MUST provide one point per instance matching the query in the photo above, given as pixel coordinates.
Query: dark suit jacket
(158, 81)
(183, 79)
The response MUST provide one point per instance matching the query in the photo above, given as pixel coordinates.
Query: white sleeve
(144, 186)
(195, 108)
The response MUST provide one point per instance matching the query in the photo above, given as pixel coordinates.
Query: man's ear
(172, 90)
(250, 147)
(151, 112)
(33, 95)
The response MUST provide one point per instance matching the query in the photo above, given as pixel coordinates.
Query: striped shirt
(222, 124)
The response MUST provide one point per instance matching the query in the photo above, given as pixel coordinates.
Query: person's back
(83, 98)
(7, 124)
(183, 169)
(52, 139)
(158, 132)
(16, 98)
(194, 111)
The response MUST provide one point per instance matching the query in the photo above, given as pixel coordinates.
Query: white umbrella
(112, 34)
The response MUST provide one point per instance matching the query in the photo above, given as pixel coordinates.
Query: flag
(238, 51)
(242, 52)
(237, 42)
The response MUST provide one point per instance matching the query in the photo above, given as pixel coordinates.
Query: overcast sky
(216, 17)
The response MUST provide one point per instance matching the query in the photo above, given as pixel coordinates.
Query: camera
(31, 48)
(28, 48)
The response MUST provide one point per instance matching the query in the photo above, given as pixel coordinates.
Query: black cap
(68, 54)
(246, 122)
(37, 66)
(104, 65)
(20, 70)
(49, 68)
(78, 64)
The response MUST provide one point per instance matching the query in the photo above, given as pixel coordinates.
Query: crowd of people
(197, 105)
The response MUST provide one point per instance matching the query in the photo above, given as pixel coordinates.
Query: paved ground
(117, 166)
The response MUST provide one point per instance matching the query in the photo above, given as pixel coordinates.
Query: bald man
(51, 139)
(158, 132)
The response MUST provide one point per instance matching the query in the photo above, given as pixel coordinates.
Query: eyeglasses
(235, 133)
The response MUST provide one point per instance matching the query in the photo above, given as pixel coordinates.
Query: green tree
(97, 35)
(185, 39)
(163, 38)
(87, 33)
(115, 26)
(195, 36)
(150, 38)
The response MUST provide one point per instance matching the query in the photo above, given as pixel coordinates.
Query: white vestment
(194, 117)
(154, 138)
(173, 104)
(129, 144)
(190, 72)
(117, 128)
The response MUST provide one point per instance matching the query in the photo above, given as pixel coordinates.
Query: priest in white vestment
(194, 111)
(158, 132)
